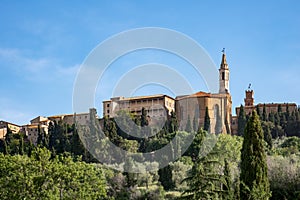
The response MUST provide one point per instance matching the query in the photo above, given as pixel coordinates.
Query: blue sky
(43, 44)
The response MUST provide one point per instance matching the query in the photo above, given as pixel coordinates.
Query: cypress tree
(264, 114)
(173, 123)
(279, 108)
(277, 119)
(297, 115)
(195, 124)
(144, 121)
(40, 137)
(188, 127)
(254, 170)
(257, 110)
(228, 189)
(271, 117)
(267, 133)
(287, 112)
(206, 121)
(9, 136)
(21, 145)
(241, 121)
(6, 148)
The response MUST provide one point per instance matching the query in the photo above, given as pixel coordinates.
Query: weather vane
(223, 50)
(249, 86)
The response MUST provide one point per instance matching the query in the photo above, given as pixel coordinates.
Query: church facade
(219, 105)
(190, 106)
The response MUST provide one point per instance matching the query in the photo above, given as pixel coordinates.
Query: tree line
(236, 167)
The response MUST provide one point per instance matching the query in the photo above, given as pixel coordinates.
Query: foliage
(254, 175)
(206, 121)
(284, 176)
(241, 121)
(204, 179)
(38, 177)
(179, 173)
(188, 127)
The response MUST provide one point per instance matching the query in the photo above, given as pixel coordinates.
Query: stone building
(249, 106)
(186, 106)
(41, 123)
(219, 105)
(32, 130)
(156, 105)
(4, 126)
(81, 118)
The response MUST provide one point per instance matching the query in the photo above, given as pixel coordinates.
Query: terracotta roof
(201, 94)
(10, 123)
(276, 104)
(197, 94)
(138, 97)
(68, 115)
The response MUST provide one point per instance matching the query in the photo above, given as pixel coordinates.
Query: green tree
(173, 127)
(9, 136)
(254, 171)
(179, 173)
(39, 177)
(131, 178)
(194, 149)
(266, 126)
(264, 114)
(77, 147)
(204, 180)
(271, 117)
(206, 120)
(165, 177)
(228, 186)
(279, 108)
(258, 110)
(241, 121)
(188, 127)
(195, 124)
(144, 120)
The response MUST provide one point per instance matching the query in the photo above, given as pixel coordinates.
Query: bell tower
(249, 100)
(224, 75)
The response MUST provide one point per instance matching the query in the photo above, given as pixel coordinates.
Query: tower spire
(224, 75)
(224, 64)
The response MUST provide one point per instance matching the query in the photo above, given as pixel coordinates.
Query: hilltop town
(188, 108)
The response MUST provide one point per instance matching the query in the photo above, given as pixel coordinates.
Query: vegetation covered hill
(61, 168)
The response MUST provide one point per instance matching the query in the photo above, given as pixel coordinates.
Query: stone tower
(224, 76)
(249, 100)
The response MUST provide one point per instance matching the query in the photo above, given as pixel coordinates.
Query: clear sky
(43, 43)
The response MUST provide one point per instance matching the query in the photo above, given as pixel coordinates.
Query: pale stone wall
(270, 108)
(3, 132)
(193, 106)
(31, 131)
(155, 105)
(3, 128)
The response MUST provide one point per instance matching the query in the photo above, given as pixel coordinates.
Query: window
(107, 111)
(223, 75)
(107, 105)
